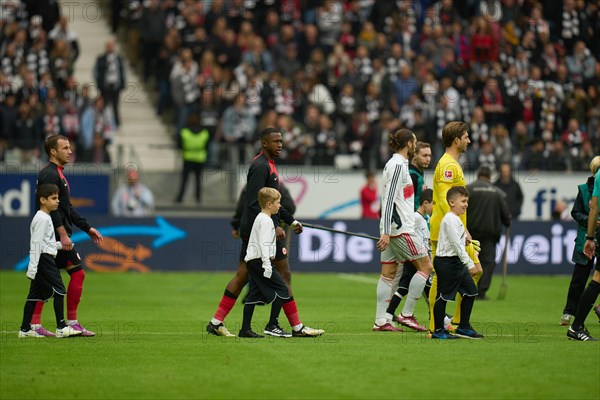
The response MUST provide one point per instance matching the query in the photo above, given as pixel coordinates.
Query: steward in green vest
(583, 265)
(580, 212)
(193, 142)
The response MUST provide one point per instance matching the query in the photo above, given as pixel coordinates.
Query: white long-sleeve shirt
(398, 198)
(422, 231)
(42, 240)
(261, 243)
(452, 239)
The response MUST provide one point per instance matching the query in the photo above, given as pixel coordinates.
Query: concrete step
(143, 138)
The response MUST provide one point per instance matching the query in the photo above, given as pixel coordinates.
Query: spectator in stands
(369, 199)
(28, 135)
(61, 31)
(295, 141)
(360, 140)
(97, 131)
(167, 58)
(258, 57)
(109, 74)
(404, 86)
(184, 87)
(523, 70)
(8, 119)
(512, 189)
(61, 63)
(152, 30)
(239, 128)
(50, 121)
(558, 159)
(133, 199)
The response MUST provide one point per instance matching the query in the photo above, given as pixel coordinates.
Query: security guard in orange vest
(193, 142)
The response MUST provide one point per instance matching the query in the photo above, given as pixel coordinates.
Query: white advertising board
(327, 193)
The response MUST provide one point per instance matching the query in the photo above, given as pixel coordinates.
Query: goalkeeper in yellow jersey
(448, 174)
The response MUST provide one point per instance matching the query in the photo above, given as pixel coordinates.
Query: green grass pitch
(152, 343)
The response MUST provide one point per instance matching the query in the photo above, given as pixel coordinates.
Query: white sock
(215, 321)
(415, 288)
(384, 293)
(447, 321)
(297, 328)
(71, 322)
(35, 326)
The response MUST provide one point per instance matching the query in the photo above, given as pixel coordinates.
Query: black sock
(229, 294)
(59, 311)
(439, 311)
(27, 314)
(394, 303)
(465, 311)
(248, 311)
(589, 296)
(275, 310)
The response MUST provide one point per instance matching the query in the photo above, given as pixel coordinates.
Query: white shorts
(404, 248)
(387, 256)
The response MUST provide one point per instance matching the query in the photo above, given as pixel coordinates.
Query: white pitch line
(326, 335)
(358, 278)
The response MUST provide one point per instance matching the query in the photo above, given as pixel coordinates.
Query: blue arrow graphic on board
(165, 232)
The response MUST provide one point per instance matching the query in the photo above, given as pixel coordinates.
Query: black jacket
(286, 202)
(262, 173)
(66, 215)
(100, 71)
(514, 196)
(487, 212)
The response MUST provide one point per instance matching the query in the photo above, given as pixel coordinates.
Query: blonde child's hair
(267, 194)
(595, 164)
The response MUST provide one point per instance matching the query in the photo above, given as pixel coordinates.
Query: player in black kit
(262, 173)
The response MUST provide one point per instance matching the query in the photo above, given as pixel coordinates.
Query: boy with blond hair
(266, 284)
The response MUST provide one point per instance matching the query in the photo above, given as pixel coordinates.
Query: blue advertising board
(205, 244)
(89, 193)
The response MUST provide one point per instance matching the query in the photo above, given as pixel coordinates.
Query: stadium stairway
(142, 139)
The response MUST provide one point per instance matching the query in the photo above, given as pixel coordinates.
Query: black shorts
(47, 280)
(66, 258)
(264, 290)
(280, 250)
(452, 277)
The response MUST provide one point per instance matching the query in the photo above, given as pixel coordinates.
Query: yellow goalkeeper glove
(476, 245)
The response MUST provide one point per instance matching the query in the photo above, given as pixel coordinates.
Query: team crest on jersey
(448, 174)
(284, 251)
(409, 191)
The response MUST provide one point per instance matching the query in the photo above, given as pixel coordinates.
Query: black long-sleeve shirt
(262, 173)
(286, 202)
(65, 215)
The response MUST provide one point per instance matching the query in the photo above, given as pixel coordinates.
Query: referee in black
(488, 212)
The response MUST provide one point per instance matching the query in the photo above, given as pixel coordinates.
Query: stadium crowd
(337, 76)
(39, 95)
